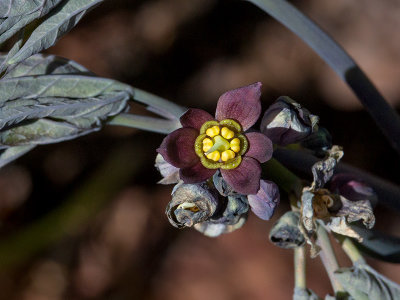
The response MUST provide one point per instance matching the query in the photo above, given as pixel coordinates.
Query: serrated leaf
(39, 64)
(362, 282)
(11, 24)
(85, 112)
(12, 153)
(71, 86)
(56, 24)
(12, 8)
(42, 131)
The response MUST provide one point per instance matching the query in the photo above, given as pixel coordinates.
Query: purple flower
(205, 144)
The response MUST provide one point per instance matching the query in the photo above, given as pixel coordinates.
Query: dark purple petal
(177, 148)
(245, 179)
(242, 105)
(260, 146)
(352, 188)
(195, 174)
(195, 117)
(263, 204)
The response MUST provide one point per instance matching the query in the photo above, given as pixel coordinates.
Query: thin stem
(300, 267)
(161, 106)
(352, 251)
(328, 258)
(145, 123)
(283, 177)
(384, 116)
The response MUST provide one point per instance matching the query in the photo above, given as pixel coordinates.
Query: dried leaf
(363, 282)
(323, 170)
(357, 210)
(341, 226)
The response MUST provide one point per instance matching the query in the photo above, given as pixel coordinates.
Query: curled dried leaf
(323, 170)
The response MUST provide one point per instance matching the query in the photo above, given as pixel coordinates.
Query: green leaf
(45, 64)
(56, 24)
(12, 8)
(14, 21)
(12, 153)
(362, 282)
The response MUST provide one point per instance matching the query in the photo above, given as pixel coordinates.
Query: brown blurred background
(85, 219)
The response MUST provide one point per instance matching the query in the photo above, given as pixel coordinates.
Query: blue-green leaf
(58, 22)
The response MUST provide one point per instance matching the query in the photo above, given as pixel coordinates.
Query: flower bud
(286, 122)
(286, 232)
(191, 204)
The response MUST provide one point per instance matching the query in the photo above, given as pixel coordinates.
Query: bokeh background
(84, 219)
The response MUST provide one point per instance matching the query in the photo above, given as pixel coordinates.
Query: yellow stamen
(207, 144)
(227, 133)
(227, 155)
(214, 156)
(188, 206)
(235, 145)
(213, 131)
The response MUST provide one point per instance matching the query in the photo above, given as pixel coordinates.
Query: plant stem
(383, 114)
(145, 123)
(163, 107)
(300, 267)
(352, 251)
(328, 257)
(283, 177)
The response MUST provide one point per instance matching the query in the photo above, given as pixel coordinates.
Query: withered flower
(231, 216)
(287, 122)
(191, 204)
(205, 145)
(286, 232)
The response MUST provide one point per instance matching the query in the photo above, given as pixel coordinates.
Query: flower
(205, 144)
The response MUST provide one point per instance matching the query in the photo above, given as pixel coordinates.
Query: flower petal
(260, 146)
(177, 148)
(196, 173)
(245, 179)
(195, 117)
(263, 204)
(242, 104)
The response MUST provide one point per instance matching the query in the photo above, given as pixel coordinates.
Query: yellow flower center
(220, 144)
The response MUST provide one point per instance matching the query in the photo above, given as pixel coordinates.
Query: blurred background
(84, 219)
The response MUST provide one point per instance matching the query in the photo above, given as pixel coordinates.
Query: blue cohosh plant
(219, 164)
